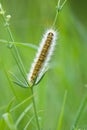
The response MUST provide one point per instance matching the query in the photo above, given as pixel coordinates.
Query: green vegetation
(60, 98)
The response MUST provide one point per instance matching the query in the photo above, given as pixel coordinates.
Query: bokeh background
(29, 20)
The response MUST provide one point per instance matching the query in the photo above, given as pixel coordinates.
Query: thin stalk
(35, 111)
(27, 125)
(59, 8)
(30, 45)
(15, 51)
(20, 69)
(56, 16)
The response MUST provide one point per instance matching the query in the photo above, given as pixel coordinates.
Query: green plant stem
(30, 45)
(59, 8)
(15, 51)
(35, 111)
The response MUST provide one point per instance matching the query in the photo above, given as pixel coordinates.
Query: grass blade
(9, 81)
(29, 45)
(23, 114)
(79, 113)
(18, 81)
(20, 84)
(62, 112)
(10, 104)
(20, 104)
(27, 125)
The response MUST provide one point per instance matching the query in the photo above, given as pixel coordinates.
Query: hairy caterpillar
(43, 56)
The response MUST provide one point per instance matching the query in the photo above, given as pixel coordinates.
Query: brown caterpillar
(42, 57)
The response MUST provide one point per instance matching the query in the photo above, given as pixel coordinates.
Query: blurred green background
(29, 20)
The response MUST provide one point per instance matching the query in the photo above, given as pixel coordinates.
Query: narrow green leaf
(62, 112)
(26, 45)
(41, 77)
(27, 125)
(20, 104)
(23, 114)
(18, 81)
(19, 63)
(20, 84)
(79, 113)
(29, 45)
(10, 104)
(9, 81)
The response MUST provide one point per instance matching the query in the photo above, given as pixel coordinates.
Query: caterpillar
(42, 57)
